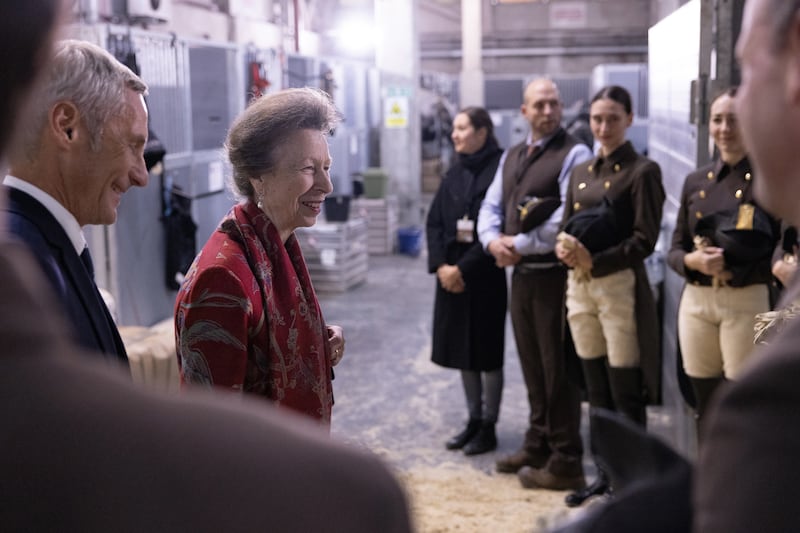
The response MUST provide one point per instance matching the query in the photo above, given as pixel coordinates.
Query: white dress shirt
(59, 212)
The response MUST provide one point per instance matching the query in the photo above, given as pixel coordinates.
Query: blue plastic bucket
(409, 240)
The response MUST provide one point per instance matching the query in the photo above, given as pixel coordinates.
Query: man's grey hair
(259, 132)
(89, 77)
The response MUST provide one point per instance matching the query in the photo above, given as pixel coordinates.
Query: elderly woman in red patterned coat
(246, 316)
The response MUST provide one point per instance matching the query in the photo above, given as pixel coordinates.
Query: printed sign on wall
(568, 15)
(395, 111)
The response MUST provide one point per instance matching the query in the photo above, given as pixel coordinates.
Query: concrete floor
(389, 396)
(391, 399)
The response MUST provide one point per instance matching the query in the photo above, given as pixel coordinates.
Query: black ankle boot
(596, 488)
(458, 442)
(484, 441)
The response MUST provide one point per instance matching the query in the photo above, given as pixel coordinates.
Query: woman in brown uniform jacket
(723, 245)
(612, 219)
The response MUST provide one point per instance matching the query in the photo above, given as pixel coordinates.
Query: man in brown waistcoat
(532, 174)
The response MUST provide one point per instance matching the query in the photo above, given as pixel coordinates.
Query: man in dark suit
(80, 150)
(83, 449)
(749, 465)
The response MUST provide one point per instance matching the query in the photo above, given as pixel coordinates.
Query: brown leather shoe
(541, 478)
(510, 464)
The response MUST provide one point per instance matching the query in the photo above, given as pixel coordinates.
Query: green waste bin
(375, 182)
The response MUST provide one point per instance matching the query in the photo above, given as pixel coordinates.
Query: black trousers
(538, 316)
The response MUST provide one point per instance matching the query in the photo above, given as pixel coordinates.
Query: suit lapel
(102, 322)
(72, 268)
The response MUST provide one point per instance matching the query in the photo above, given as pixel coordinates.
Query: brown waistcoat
(536, 175)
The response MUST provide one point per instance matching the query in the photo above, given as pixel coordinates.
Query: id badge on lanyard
(465, 229)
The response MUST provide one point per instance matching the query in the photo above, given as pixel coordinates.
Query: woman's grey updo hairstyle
(259, 132)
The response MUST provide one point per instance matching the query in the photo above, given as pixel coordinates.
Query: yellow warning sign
(395, 111)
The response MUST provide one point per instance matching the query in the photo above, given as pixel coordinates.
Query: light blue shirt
(541, 239)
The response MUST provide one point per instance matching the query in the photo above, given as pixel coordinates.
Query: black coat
(468, 328)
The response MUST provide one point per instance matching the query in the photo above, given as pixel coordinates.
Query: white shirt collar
(59, 212)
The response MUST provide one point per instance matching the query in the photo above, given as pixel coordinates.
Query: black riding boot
(597, 487)
(703, 392)
(598, 388)
(595, 372)
(628, 394)
(457, 442)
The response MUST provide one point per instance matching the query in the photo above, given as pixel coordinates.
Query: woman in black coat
(470, 307)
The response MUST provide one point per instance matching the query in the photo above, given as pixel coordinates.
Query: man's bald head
(542, 107)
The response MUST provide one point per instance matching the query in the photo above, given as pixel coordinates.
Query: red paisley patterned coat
(247, 317)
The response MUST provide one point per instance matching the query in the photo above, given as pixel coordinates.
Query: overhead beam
(540, 51)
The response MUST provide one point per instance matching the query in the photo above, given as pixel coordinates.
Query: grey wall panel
(503, 93)
(301, 72)
(339, 146)
(672, 141)
(573, 89)
(207, 212)
(164, 64)
(510, 127)
(210, 78)
(141, 292)
(204, 177)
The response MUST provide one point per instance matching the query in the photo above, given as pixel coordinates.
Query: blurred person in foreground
(723, 246)
(79, 150)
(612, 218)
(83, 449)
(469, 312)
(749, 466)
(246, 317)
(517, 224)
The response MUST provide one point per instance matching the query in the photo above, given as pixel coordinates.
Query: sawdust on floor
(455, 499)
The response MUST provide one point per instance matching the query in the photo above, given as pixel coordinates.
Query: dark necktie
(525, 161)
(86, 257)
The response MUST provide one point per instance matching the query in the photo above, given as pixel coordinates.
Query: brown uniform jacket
(710, 189)
(633, 184)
